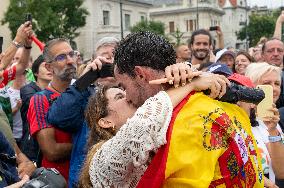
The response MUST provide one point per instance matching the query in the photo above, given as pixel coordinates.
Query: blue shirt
(67, 113)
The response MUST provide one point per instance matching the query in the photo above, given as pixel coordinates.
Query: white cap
(223, 52)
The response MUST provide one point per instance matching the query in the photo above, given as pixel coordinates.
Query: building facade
(5, 33)
(187, 16)
(234, 19)
(109, 18)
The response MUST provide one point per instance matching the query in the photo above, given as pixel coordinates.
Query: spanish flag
(209, 144)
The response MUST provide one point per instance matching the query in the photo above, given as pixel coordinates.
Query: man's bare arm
(278, 26)
(21, 36)
(52, 150)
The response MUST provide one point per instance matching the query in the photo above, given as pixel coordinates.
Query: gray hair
(48, 57)
(106, 41)
(256, 70)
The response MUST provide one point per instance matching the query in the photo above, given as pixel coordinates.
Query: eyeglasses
(63, 57)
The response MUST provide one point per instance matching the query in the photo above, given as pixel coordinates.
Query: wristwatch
(17, 44)
(275, 138)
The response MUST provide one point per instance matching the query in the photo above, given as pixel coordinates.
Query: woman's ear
(104, 123)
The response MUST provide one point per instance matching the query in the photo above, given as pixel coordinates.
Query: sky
(269, 3)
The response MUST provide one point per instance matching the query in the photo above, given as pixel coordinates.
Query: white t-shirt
(261, 135)
(14, 95)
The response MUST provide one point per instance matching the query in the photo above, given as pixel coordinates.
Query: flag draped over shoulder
(209, 144)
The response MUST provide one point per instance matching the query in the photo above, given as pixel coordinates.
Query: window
(142, 18)
(190, 25)
(127, 22)
(106, 17)
(172, 27)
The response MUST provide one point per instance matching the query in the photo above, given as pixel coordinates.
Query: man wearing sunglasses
(54, 144)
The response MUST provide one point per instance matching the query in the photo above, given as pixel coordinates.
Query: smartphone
(28, 17)
(266, 104)
(213, 28)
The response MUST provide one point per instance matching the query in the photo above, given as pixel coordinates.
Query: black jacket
(28, 145)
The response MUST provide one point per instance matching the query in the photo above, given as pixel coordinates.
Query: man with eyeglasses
(71, 118)
(54, 143)
(272, 53)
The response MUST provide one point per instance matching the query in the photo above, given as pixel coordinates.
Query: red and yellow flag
(209, 144)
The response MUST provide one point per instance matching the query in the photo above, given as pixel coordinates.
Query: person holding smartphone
(268, 132)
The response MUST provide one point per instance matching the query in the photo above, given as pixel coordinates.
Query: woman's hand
(272, 121)
(177, 74)
(269, 184)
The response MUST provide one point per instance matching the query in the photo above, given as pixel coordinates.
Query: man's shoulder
(30, 87)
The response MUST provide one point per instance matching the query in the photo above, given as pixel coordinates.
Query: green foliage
(51, 18)
(177, 35)
(259, 26)
(153, 26)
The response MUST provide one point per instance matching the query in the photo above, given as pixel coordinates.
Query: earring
(113, 128)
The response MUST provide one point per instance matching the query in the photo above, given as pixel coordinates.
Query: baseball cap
(222, 53)
(241, 79)
(220, 68)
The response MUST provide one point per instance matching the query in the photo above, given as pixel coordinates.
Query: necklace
(54, 88)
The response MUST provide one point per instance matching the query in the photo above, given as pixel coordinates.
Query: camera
(91, 76)
(237, 92)
(213, 28)
(46, 178)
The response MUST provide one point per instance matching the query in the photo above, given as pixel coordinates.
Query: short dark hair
(143, 49)
(264, 44)
(200, 32)
(36, 64)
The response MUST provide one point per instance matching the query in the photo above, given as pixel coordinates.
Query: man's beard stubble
(67, 74)
(195, 54)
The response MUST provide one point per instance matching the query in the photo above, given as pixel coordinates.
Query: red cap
(241, 79)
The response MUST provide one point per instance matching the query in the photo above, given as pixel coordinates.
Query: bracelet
(28, 47)
(275, 138)
(17, 44)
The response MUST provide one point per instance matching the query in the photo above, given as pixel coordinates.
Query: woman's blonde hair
(256, 70)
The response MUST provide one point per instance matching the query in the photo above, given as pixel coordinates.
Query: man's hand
(96, 64)
(26, 168)
(219, 31)
(23, 33)
(216, 83)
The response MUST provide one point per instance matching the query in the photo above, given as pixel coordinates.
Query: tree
(177, 35)
(51, 18)
(259, 26)
(153, 26)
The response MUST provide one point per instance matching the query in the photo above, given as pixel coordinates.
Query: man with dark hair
(273, 52)
(29, 146)
(201, 128)
(54, 144)
(200, 43)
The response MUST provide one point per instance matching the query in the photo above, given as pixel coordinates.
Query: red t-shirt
(36, 116)
(8, 75)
